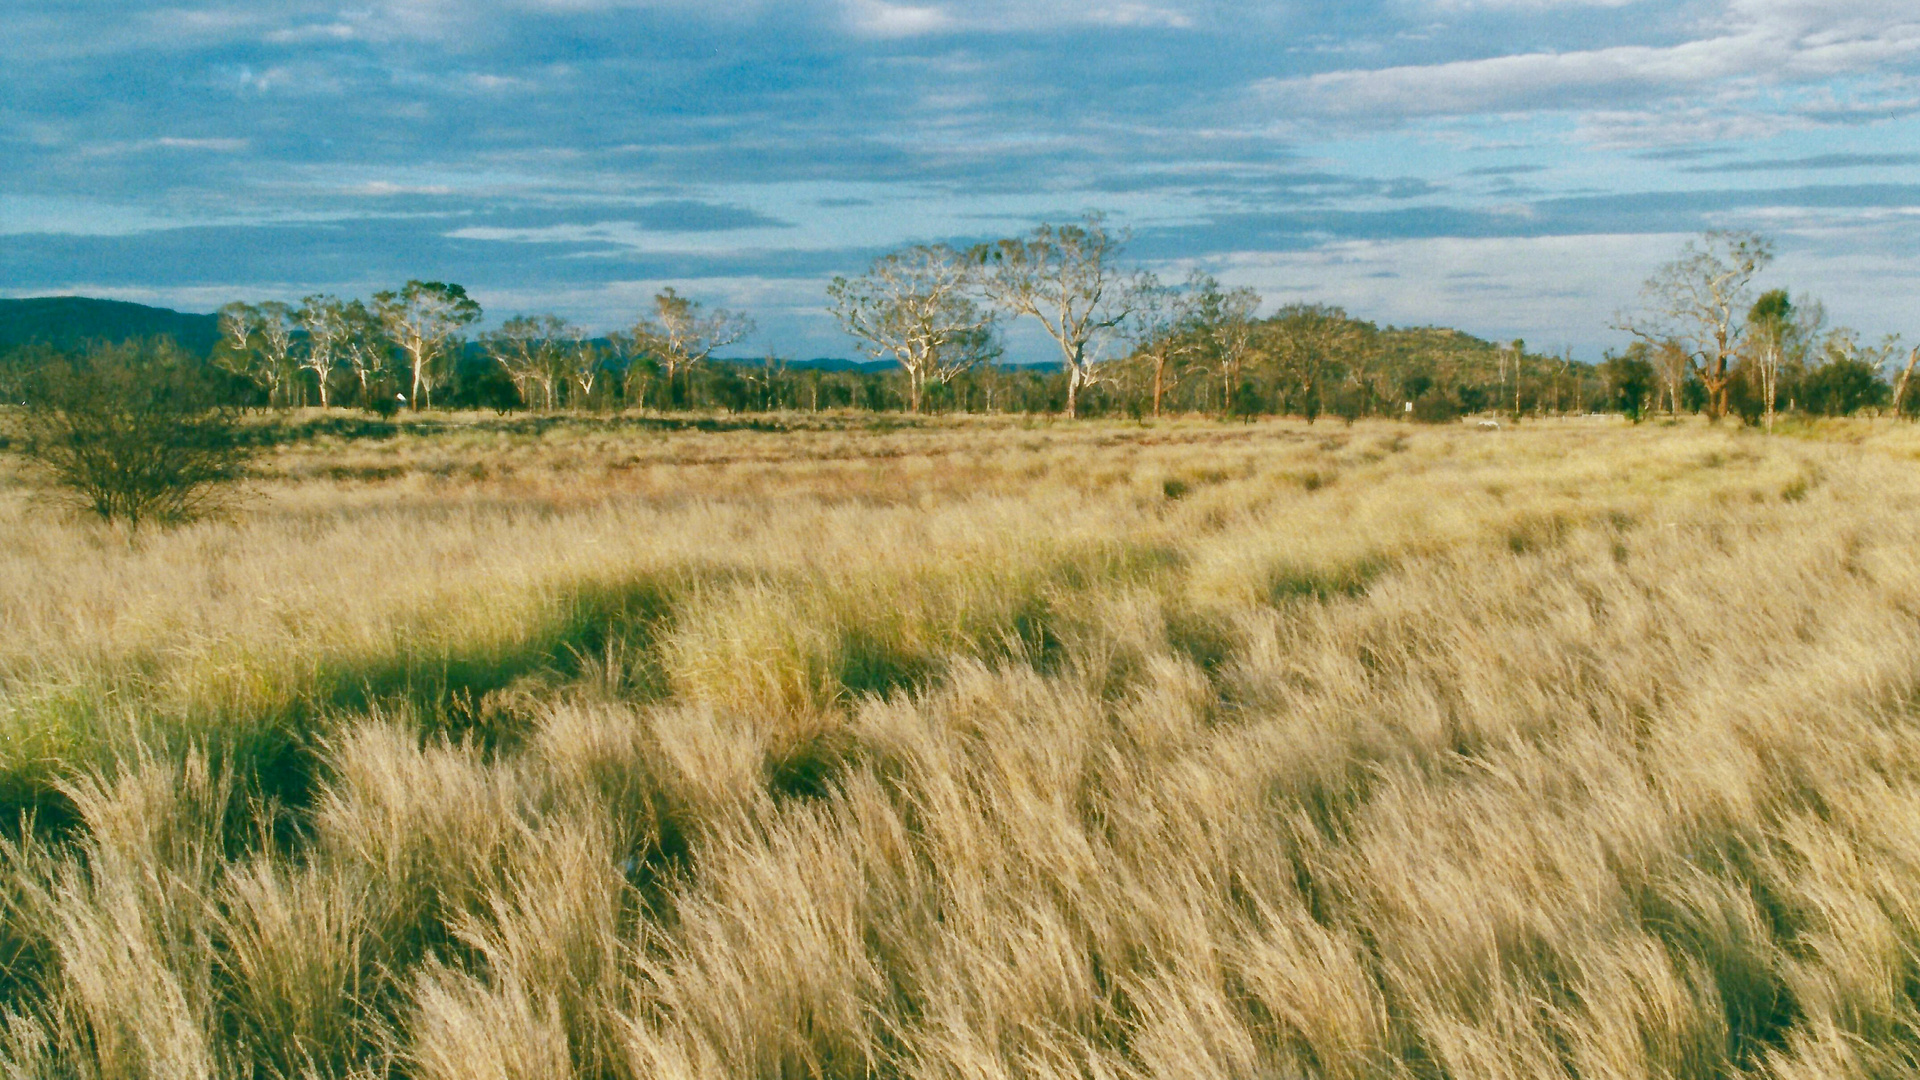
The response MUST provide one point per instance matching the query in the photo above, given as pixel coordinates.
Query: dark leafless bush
(136, 434)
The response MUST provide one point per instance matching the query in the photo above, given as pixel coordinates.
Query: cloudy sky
(1511, 167)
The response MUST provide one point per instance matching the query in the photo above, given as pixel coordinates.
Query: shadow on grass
(486, 691)
(1344, 579)
(272, 751)
(351, 427)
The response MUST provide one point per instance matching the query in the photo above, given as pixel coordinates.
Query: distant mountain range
(71, 322)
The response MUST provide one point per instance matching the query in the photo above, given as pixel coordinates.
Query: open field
(842, 747)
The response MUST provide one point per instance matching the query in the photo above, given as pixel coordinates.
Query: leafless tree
(1066, 278)
(913, 307)
(1697, 304)
(423, 319)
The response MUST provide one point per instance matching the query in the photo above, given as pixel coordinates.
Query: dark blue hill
(71, 322)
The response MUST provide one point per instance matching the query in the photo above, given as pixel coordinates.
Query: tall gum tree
(1224, 321)
(1697, 304)
(1068, 279)
(1770, 343)
(682, 332)
(533, 351)
(1905, 379)
(1165, 330)
(1306, 344)
(324, 318)
(239, 330)
(423, 320)
(256, 341)
(913, 307)
(364, 348)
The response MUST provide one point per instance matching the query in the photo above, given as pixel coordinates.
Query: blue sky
(1511, 167)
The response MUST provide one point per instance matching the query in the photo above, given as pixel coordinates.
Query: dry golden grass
(976, 749)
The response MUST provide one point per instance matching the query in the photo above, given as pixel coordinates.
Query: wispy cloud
(1818, 162)
(1751, 44)
(556, 151)
(896, 20)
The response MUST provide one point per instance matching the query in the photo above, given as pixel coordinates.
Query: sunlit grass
(984, 747)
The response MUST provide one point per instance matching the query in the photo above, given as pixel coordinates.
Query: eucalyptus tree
(256, 342)
(1696, 304)
(1671, 366)
(638, 370)
(1068, 279)
(238, 324)
(583, 364)
(1846, 376)
(276, 348)
(1165, 330)
(1905, 379)
(324, 319)
(423, 320)
(365, 348)
(913, 307)
(1771, 338)
(533, 350)
(1369, 370)
(1308, 345)
(682, 332)
(1223, 320)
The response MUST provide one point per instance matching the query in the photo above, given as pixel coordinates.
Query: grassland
(975, 749)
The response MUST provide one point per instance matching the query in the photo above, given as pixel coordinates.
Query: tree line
(144, 432)
(1705, 343)
(1127, 344)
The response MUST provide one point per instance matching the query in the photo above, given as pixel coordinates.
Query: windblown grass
(976, 749)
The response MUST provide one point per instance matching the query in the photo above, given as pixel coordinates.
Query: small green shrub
(1435, 407)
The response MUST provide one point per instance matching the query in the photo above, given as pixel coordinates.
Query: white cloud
(168, 142)
(385, 188)
(1757, 43)
(1682, 125)
(880, 19)
(296, 35)
(1552, 291)
(1565, 290)
(218, 145)
(1524, 5)
(1509, 83)
(1139, 15)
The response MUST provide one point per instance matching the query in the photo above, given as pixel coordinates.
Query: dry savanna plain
(821, 746)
